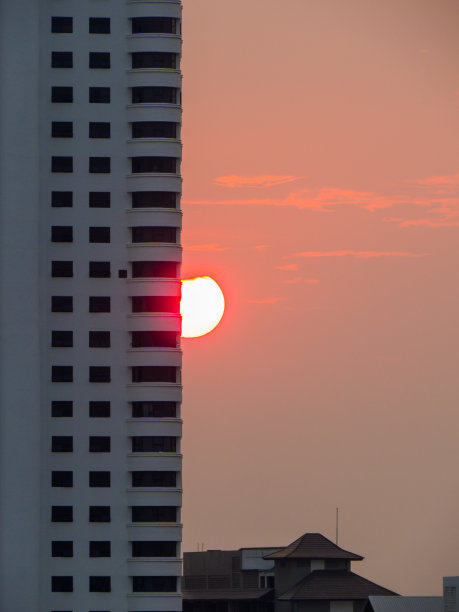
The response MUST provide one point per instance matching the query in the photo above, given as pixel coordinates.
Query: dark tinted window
(99, 479)
(61, 408)
(62, 129)
(61, 338)
(99, 444)
(99, 339)
(62, 514)
(62, 25)
(155, 303)
(154, 129)
(99, 409)
(61, 479)
(99, 514)
(62, 584)
(62, 548)
(154, 374)
(62, 269)
(100, 584)
(99, 234)
(153, 514)
(99, 25)
(62, 373)
(99, 95)
(99, 374)
(154, 410)
(99, 60)
(154, 479)
(154, 444)
(154, 199)
(99, 549)
(154, 234)
(61, 164)
(154, 339)
(152, 269)
(62, 94)
(62, 59)
(62, 444)
(154, 95)
(99, 130)
(154, 584)
(99, 165)
(154, 25)
(61, 199)
(154, 59)
(61, 233)
(62, 303)
(99, 269)
(99, 199)
(154, 549)
(99, 304)
(154, 164)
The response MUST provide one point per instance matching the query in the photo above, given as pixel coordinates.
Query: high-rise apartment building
(90, 388)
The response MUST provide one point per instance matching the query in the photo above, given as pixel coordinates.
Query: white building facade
(90, 359)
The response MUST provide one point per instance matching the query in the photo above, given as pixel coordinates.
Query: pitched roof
(406, 604)
(313, 546)
(334, 584)
(217, 594)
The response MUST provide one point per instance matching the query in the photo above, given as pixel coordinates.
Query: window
(154, 95)
(61, 59)
(62, 444)
(99, 409)
(154, 374)
(157, 339)
(99, 549)
(154, 584)
(62, 548)
(154, 514)
(61, 164)
(99, 95)
(62, 94)
(154, 549)
(167, 165)
(152, 269)
(99, 165)
(99, 339)
(99, 269)
(61, 199)
(61, 338)
(62, 129)
(100, 584)
(62, 514)
(61, 409)
(154, 444)
(154, 59)
(154, 234)
(99, 25)
(62, 269)
(99, 479)
(154, 479)
(99, 304)
(62, 584)
(61, 25)
(156, 303)
(62, 303)
(99, 60)
(99, 130)
(154, 129)
(61, 233)
(154, 25)
(122, 273)
(99, 199)
(61, 479)
(99, 444)
(99, 234)
(99, 374)
(154, 199)
(99, 514)
(62, 374)
(154, 410)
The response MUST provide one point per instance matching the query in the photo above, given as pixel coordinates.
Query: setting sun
(202, 306)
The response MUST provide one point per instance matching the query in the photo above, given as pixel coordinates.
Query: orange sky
(321, 192)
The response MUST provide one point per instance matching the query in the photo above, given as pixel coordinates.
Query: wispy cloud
(300, 280)
(261, 247)
(271, 300)
(267, 180)
(287, 267)
(212, 248)
(358, 254)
